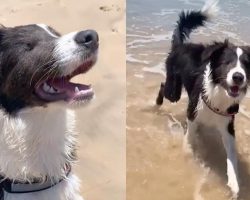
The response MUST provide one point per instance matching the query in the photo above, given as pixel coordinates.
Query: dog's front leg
(228, 138)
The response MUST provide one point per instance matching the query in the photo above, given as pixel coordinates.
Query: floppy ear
(213, 51)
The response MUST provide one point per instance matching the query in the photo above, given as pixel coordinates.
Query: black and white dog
(215, 77)
(37, 136)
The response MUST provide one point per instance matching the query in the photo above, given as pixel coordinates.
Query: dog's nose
(88, 38)
(238, 78)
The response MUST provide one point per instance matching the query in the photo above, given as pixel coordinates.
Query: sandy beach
(101, 124)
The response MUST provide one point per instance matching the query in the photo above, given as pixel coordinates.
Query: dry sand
(101, 124)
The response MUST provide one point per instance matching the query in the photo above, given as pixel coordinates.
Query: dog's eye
(29, 46)
(245, 60)
(226, 62)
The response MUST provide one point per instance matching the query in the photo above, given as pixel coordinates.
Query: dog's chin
(61, 89)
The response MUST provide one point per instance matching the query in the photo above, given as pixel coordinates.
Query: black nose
(88, 38)
(238, 78)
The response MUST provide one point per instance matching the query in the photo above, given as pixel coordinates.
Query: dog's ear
(213, 51)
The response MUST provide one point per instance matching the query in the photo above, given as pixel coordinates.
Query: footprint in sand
(110, 8)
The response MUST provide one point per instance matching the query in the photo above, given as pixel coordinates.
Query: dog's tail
(190, 20)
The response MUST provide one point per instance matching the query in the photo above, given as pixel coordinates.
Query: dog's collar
(227, 113)
(11, 186)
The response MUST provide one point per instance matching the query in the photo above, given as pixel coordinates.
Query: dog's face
(37, 63)
(230, 68)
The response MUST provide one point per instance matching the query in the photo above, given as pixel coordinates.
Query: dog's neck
(36, 143)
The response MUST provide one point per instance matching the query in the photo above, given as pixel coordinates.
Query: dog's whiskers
(40, 68)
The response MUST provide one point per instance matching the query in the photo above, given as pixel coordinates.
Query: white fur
(45, 27)
(237, 68)
(68, 55)
(218, 98)
(37, 143)
(210, 9)
(220, 123)
(232, 163)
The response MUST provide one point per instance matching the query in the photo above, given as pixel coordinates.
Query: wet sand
(101, 125)
(157, 166)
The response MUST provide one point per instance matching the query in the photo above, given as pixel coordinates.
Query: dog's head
(37, 63)
(230, 68)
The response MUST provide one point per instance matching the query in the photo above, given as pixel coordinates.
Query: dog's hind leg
(173, 86)
(160, 97)
(232, 168)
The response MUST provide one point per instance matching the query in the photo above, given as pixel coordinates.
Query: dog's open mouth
(60, 88)
(234, 91)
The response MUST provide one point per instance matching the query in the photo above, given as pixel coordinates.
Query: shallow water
(157, 166)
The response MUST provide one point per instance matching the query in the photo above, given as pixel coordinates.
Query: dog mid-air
(37, 136)
(215, 77)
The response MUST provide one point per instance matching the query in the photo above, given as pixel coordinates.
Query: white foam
(158, 69)
(175, 126)
(190, 2)
(144, 39)
(130, 58)
(165, 12)
(138, 75)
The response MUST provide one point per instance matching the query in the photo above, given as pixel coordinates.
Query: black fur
(233, 109)
(160, 97)
(23, 49)
(187, 22)
(230, 127)
(11, 105)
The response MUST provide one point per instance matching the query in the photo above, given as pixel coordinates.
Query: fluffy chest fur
(210, 119)
(37, 143)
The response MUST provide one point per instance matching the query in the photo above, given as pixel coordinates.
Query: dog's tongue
(234, 89)
(61, 89)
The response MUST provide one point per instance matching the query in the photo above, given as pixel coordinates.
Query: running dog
(215, 77)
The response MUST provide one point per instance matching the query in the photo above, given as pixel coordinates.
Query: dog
(37, 136)
(215, 77)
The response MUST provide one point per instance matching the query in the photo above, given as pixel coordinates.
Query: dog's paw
(159, 100)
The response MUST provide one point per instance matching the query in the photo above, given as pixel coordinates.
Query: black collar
(230, 112)
(13, 186)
